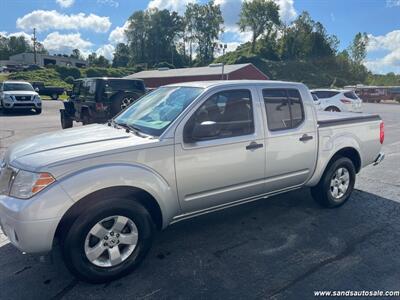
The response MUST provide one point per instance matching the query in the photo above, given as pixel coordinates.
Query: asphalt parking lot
(285, 247)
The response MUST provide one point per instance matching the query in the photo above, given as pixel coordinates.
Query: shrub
(69, 79)
(68, 71)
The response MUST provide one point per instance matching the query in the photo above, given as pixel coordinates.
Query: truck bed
(326, 119)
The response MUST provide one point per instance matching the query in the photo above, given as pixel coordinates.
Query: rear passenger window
(296, 108)
(284, 108)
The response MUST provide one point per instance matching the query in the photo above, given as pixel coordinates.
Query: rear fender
(329, 145)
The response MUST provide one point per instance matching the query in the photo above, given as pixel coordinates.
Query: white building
(43, 60)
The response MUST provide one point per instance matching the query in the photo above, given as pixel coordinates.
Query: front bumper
(22, 105)
(30, 225)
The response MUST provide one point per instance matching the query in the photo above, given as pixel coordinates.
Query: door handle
(305, 138)
(253, 146)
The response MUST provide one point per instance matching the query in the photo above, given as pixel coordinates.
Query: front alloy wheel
(111, 241)
(107, 240)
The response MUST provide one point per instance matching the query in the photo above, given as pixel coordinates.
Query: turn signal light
(44, 180)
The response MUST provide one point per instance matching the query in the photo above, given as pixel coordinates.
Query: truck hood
(22, 93)
(75, 143)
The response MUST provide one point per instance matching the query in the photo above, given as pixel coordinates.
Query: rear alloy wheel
(336, 184)
(107, 240)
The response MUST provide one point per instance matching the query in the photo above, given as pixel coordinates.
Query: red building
(164, 76)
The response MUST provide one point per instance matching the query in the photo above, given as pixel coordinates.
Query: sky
(98, 25)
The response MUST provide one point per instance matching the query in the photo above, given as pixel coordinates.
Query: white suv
(16, 95)
(337, 100)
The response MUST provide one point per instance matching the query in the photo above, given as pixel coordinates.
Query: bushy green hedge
(107, 72)
(64, 72)
(50, 77)
(64, 76)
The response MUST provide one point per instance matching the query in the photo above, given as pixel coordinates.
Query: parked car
(338, 100)
(17, 95)
(52, 91)
(96, 100)
(317, 102)
(32, 68)
(179, 152)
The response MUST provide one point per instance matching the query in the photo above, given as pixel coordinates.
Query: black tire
(54, 96)
(73, 240)
(66, 122)
(38, 111)
(322, 192)
(118, 102)
(85, 118)
(332, 109)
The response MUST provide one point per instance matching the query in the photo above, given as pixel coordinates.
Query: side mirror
(36, 89)
(203, 131)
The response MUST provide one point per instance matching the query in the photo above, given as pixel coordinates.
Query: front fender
(84, 182)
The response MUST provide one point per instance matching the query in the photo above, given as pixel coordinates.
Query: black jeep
(96, 100)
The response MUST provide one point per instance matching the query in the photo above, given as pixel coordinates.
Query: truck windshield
(18, 87)
(153, 113)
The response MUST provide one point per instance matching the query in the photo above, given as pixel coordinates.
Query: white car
(337, 100)
(18, 95)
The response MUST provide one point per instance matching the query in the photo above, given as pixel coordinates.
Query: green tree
(76, 53)
(261, 17)
(152, 36)
(205, 25)
(121, 56)
(358, 48)
(98, 61)
(305, 38)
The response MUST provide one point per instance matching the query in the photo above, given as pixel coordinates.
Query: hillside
(314, 73)
(64, 76)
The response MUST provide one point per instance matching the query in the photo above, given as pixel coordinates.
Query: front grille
(24, 105)
(23, 98)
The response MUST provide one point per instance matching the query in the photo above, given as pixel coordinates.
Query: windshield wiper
(130, 128)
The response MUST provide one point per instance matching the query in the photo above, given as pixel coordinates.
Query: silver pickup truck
(183, 150)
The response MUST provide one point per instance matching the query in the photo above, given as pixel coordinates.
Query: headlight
(37, 98)
(8, 98)
(26, 184)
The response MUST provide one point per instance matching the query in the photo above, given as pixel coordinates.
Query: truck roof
(207, 84)
(109, 78)
(16, 81)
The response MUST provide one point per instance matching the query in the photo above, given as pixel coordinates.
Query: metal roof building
(156, 78)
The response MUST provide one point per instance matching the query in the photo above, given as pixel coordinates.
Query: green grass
(3, 77)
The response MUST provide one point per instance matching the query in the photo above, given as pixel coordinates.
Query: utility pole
(34, 39)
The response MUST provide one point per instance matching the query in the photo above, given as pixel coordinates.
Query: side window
(296, 108)
(350, 95)
(332, 94)
(277, 107)
(284, 108)
(230, 112)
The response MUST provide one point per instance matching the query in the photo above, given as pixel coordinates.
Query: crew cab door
(225, 162)
(291, 137)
